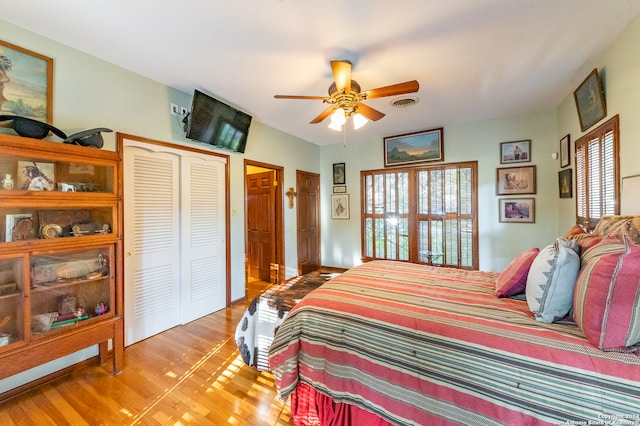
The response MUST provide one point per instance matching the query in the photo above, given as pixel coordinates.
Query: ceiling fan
(345, 98)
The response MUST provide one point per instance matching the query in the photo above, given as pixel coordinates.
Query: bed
(397, 343)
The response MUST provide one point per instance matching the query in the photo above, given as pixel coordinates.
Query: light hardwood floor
(189, 375)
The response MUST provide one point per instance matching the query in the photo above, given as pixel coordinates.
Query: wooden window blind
(598, 174)
(421, 214)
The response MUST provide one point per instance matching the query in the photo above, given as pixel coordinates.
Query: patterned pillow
(607, 296)
(551, 280)
(575, 230)
(586, 240)
(601, 246)
(513, 279)
(619, 225)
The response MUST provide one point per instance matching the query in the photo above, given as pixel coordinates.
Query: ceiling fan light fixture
(358, 120)
(335, 126)
(338, 117)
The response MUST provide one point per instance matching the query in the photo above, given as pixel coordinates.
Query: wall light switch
(183, 111)
(175, 109)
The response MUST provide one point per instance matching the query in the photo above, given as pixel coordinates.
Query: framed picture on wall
(338, 174)
(516, 180)
(515, 152)
(339, 206)
(517, 210)
(565, 151)
(589, 98)
(27, 79)
(411, 148)
(565, 183)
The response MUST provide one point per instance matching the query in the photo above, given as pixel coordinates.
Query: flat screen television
(215, 123)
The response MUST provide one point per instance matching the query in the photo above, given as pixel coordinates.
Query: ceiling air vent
(404, 101)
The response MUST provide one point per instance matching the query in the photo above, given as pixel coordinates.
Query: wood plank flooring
(189, 375)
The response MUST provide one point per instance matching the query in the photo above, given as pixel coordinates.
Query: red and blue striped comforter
(415, 344)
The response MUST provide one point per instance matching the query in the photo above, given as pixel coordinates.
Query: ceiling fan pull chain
(344, 136)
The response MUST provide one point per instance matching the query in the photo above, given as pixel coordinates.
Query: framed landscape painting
(412, 148)
(26, 83)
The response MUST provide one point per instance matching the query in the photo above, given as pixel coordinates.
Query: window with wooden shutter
(598, 174)
(421, 214)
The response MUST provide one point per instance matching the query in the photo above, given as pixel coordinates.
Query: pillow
(607, 296)
(602, 246)
(575, 230)
(619, 225)
(585, 241)
(551, 280)
(513, 279)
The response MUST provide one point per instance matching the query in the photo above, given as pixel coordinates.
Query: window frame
(413, 216)
(588, 152)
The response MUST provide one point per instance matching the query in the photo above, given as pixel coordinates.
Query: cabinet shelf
(10, 295)
(54, 235)
(65, 283)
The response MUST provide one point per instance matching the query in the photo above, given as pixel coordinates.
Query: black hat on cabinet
(30, 128)
(91, 137)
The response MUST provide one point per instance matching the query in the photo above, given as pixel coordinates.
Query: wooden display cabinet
(60, 253)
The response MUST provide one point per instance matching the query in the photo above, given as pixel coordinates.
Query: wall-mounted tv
(215, 123)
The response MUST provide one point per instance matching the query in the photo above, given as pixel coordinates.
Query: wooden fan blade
(313, 98)
(342, 75)
(370, 113)
(324, 114)
(394, 89)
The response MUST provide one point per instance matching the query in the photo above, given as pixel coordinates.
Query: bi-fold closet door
(174, 242)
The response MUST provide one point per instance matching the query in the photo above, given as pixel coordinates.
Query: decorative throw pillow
(602, 246)
(586, 240)
(619, 225)
(575, 230)
(513, 279)
(551, 280)
(607, 296)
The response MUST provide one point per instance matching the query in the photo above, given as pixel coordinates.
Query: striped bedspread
(424, 345)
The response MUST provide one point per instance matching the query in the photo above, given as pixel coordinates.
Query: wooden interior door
(261, 235)
(308, 213)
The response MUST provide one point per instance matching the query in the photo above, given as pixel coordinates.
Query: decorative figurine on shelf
(7, 182)
(102, 308)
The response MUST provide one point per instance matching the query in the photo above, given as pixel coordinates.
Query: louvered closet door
(203, 236)
(152, 242)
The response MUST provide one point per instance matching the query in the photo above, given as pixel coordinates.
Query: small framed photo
(340, 189)
(565, 183)
(338, 174)
(589, 98)
(565, 151)
(516, 180)
(515, 152)
(19, 227)
(339, 206)
(411, 148)
(36, 176)
(517, 210)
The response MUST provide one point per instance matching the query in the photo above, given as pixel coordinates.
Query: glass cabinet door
(11, 301)
(34, 174)
(71, 288)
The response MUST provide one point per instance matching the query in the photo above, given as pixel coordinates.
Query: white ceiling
(474, 59)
